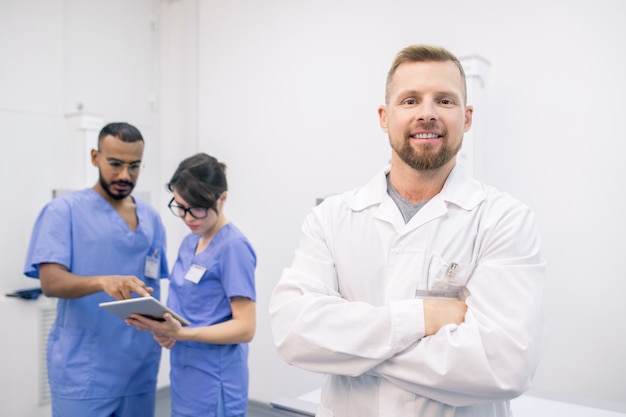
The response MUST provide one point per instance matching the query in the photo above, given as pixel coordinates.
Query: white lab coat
(347, 306)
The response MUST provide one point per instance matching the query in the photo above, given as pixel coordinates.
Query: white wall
(285, 92)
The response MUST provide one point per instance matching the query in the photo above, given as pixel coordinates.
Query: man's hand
(120, 287)
(57, 281)
(439, 312)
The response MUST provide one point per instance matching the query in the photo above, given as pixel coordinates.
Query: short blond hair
(424, 53)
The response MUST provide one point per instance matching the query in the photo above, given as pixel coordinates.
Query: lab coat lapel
(375, 193)
(435, 208)
(388, 212)
(457, 190)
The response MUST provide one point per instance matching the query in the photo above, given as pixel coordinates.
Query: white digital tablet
(146, 306)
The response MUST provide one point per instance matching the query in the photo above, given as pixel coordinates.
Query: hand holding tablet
(146, 306)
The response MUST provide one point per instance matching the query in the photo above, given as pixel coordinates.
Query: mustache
(430, 125)
(122, 182)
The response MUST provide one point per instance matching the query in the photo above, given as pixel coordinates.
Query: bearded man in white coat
(420, 293)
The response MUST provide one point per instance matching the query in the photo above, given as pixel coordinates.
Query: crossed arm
(457, 352)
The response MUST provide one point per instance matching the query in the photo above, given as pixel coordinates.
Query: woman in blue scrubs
(212, 285)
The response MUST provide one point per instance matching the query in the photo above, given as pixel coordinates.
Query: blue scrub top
(92, 353)
(201, 371)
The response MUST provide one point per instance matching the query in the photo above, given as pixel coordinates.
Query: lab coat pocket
(444, 275)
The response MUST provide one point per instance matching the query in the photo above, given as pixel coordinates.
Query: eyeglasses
(117, 165)
(195, 212)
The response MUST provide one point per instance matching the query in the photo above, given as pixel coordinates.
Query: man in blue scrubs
(91, 246)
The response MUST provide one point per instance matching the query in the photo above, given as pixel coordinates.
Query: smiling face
(425, 115)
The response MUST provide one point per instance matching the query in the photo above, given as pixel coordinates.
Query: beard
(115, 195)
(429, 158)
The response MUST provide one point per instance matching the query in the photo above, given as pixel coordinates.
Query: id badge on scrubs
(151, 269)
(195, 273)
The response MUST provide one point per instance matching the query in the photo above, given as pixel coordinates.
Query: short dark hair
(123, 131)
(200, 180)
(424, 53)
